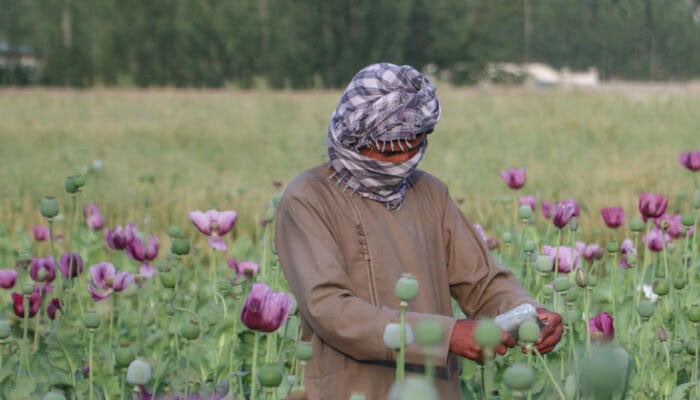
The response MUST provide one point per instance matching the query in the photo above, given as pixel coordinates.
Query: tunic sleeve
(481, 286)
(312, 262)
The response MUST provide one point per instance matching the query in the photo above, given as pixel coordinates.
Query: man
(347, 230)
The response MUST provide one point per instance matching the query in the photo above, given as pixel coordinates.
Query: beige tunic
(342, 255)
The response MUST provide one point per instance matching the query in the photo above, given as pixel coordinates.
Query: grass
(225, 149)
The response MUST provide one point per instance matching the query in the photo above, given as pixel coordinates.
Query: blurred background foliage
(322, 43)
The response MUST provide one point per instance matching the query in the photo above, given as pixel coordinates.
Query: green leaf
(680, 391)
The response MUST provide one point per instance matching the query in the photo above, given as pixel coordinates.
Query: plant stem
(90, 365)
(254, 367)
(549, 374)
(402, 344)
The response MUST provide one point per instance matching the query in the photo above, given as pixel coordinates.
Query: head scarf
(384, 105)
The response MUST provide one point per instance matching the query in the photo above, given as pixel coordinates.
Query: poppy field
(137, 257)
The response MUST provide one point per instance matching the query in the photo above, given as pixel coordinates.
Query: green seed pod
(5, 330)
(680, 282)
(270, 375)
(139, 373)
(572, 293)
(487, 333)
(406, 287)
(604, 371)
(524, 212)
(123, 356)
(48, 207)
(661, 287)
(693, 313)
(54, 395)
(505, 200)
(507, 237)
(613, 247)
(168, 279)
(91, 320)
(357, 396)
(562, 284)
(571, 316)
(543, 264)
(529, 245)
(190, 330)
(519, 377)
(529, 331)
(691, 347)
(573, 224)
(676, 347)
(304, 351)
(696, 199)
(79, 180)
(180, 246)
(592, 280)
(688, 220)
(581, 278)
(27, 288)
(429, 332)
(637, 224)
(169, 310)
(646, 308)
(174, 231)
(413, 388)
(70, 186)
(632, 260)
(392, 335)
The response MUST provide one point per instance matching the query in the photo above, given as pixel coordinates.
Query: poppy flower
(41, 233)
(528, 200)
(8, 278)
(656, 239)
(566, 258)
(589, 252)
(546, 209)
(602, 329)
(514, 178)
(652, 205)
(613, 216)
(265, 310)
(71, 265)
(627, 250)
(35, 300)
(43, 269)
(119, 237)
(248, 269)
(691, 160)
(214, 224)
(93, 217)
(53, 307)
(144, 253)
(563, 212)
(106, 280)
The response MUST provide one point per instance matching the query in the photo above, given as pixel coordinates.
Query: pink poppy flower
(247, 269)
(652, 205)
(656, 239)
(563, 212)
(546, 209)
(265, 310)
(119, 237)
(613, 216)
(529, 201)
(214, 224)
(93, 217)
(144, 253)
(71, 265)
(514, 178)
(626, 249)
(589, 252)
(41, 233)
(8, 278)
(568, 258)
(35, 301)
(106, 280)
(691, 160)
(43, 269)
(674, 225)
(602, 329)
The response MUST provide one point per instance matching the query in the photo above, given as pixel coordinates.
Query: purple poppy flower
(626, 249)
(673, 225)
(41, 233)
(652, 205)
(93, 217)
(613, 216)
(563, 212)
(119, 237)
(43, 269)
(53, 307)
(71, 265)
(589, 252)
(265, 310)
(568, 258)
(8, 278)
(247, 269)
(656, 239)
(528, 200)
(35, 300)
(122, 280)
(142, 252)
(691, 160)
(214, 224)
(106, 280)
(101, 274)
(514, 178)
(602, 329)
(547, 209)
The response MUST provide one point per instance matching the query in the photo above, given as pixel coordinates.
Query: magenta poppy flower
(119, 237)
(626, 249)
(214, 224)
(613, 216)
(568, 258)
(8, 278)
(93, 216)
(106, 280)
(265, 310)
(673, 225)
(546, 209)
(35, 300)
(589, 252)
(691, 160)
(514, 178)
(563, 212)
(574, 204)
(529, 201)
(656, 239)
(247, 269)
(71, 265)
(43, 269)
(41, 233)
(602, 329)
(652, 205)
(53, 307)
(144, 253)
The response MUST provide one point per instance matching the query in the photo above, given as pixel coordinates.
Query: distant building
(18, 64)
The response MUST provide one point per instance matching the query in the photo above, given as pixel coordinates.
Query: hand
(463, 342)
(550, 333)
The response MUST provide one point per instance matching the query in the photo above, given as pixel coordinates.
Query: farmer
(348, 229)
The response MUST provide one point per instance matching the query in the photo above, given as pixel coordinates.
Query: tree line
(322, 43)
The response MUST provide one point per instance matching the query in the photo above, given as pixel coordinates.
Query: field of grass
(225, 149)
